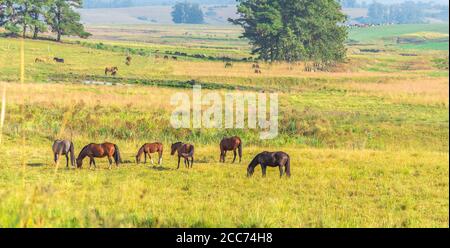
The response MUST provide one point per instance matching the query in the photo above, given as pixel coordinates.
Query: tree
(37, 12)
(294, 30)
(187, 13)
(63, 20)
(9, 16)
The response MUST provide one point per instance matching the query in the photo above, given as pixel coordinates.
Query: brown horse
(99, 151)
(184, 150)
(112, 70)
(272, 159)
(230, 144)
(128, 60)
(147, 149)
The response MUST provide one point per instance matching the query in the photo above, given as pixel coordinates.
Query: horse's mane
(84, 148)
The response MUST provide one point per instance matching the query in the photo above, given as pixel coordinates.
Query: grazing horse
(272, 159)
(174, 58)
(99, 151)
(128, 60)
(166, 57)
(39, 60)
(255, 66)
(59, 60)
(112, 70)
(228, 65)
(147, 149)
(258, 71)
(230, 144)
(184, 150)
(64, 147)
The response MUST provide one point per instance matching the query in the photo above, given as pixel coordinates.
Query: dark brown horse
(184, 150)
(99, 151)
(272, 159)
(112, 70)
(148, 149)
(128, 60)
(230, 144)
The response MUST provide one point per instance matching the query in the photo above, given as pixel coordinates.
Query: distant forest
(131, 3)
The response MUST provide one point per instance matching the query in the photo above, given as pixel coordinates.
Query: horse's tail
(288, 166)
(117, 156)
(72, 153)
(190, 154)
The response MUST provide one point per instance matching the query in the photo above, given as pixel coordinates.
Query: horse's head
(250, 170)
(79, 163)
(174, 148)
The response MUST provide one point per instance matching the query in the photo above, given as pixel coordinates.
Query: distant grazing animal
(64, 147)
(58, 60)
(255, 66)
(272, 159)
(228, 65)
(258, 71)
(174, 58)
(112, 70)
(230, 144)
(156, 56)
(99, 151)
(166, 57)
(128, 60)
(184, 150)
(147, 149)
(41, 60)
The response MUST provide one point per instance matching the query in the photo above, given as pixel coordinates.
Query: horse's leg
(234, 153)
(110, 162)
(281, 170)
(192, 161)
(263, 170)
(160, 158)
(221, 155)
(151, 159)
(178, 162)
(145, 157)
(56, 157)
(67, 161)
(185, 163)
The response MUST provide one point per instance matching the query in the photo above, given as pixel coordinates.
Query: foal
(184, 150)
(147, 149)
(230, 144)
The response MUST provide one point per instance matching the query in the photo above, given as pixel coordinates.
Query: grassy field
(368, 140)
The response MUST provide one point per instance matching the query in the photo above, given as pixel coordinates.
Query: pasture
(368, 140)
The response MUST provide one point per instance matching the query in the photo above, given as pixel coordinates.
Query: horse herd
(183, 150)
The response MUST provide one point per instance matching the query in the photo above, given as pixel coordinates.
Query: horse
(230, 144)
(228, 65)
(272, 159)
(166, 57)
(128, 60)
(58, 60)
(99, 151)
(184, 150)
(64, 147)
(174, 58)
(255, 66)
(112, 70)
(258, 71)
(40, 60)
(147, 149)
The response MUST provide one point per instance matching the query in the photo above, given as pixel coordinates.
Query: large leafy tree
(294, 30)
(63, 20)
(9, 16)
(187, 13)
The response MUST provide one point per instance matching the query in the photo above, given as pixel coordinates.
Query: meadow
(368, 140)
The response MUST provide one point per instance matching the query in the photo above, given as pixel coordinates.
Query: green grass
(368, 142)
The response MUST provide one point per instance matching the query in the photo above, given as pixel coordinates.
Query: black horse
(272, 159)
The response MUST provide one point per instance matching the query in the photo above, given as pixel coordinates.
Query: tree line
(404, 13)
(20, 17)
